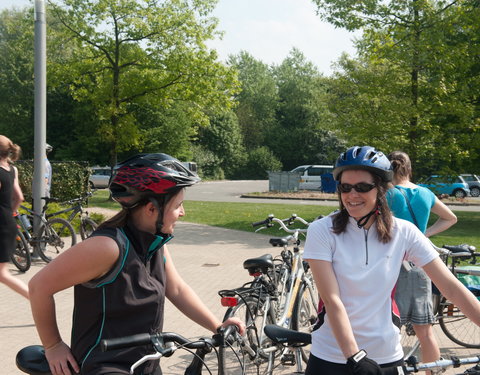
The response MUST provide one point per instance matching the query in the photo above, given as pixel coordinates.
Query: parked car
(451, 185)
(100, 177)
(310, 178)
(473, 182)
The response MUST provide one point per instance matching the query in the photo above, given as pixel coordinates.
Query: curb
(461, 204)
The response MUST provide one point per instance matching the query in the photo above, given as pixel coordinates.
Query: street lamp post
(40, 103)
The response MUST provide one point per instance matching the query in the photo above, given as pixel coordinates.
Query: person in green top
(414, 292)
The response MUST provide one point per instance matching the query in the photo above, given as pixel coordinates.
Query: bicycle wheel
(87, 226)
(20, 256)
(457, 327)
(254, 351)
(305, 311)
(57, 235)
(409, 340)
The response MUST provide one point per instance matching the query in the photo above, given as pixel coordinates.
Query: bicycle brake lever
(259, 229)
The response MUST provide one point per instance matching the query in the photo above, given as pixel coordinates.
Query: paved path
(208, 258)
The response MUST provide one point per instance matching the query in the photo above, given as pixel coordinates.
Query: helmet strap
(160, 201)
(364, 219)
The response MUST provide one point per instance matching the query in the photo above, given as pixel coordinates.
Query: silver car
(473, 182)
(100, 177)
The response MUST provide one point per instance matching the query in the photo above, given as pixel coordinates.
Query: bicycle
(288, 338)
(52, 235)
(20, 255)
(31, 359)
(456, 326)
(87, 225)
(281, 292)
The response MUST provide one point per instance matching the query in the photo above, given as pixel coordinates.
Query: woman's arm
(85, 261)
(327, 286)
(17, 193)
(187, 301)
(446, 218)
(453, 289)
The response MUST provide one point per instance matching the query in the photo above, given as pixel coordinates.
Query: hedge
(69, 179)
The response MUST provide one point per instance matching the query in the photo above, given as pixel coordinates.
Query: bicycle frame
(297, 273)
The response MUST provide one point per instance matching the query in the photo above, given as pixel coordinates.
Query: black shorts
(316, 366)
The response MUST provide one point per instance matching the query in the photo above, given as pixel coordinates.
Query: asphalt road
(231, 191)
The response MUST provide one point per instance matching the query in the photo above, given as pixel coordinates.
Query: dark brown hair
(384, 219)
(122, 217)
(401, 164)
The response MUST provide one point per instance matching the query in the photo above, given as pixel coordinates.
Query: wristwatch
(357, 357)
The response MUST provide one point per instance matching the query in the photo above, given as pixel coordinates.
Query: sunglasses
(361, 187)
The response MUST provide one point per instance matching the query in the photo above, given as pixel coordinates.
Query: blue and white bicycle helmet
(365, 158)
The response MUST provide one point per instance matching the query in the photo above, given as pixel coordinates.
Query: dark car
(473, 182)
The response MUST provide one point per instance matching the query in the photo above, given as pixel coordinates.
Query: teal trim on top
(157, 244)
(127, 249)
(99, 337)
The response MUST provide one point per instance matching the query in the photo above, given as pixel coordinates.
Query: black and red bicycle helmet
(149, 175)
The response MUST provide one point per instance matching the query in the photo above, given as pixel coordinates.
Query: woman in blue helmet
(121, 274)
(355, 255)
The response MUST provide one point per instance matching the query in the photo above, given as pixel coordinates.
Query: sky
(269, 29)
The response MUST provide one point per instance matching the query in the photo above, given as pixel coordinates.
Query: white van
(310, 175)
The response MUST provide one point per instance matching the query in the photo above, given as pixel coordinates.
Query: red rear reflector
(255, 274)
(229, 301)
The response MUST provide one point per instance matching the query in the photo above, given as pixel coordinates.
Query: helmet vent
(356, 151)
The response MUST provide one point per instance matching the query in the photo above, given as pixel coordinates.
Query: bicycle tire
(305, 312)
(57, 235)
(457, 327)
(20, 256)
(87, 227)
(249, 310)
(408, 340)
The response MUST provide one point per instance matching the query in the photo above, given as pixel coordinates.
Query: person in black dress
(10, 198)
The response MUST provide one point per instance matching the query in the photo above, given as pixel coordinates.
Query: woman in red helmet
(121, 274)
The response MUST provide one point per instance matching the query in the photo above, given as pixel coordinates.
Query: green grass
(240, 216)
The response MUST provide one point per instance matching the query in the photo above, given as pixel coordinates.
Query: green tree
(406, 86)
(303, 118)
(257, 101)
(137, 51)
(16, 77)
(224, 139)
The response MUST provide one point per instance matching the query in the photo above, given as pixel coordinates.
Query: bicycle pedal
(288, 360)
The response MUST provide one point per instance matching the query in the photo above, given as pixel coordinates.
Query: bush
(69, 179)
(260, 161)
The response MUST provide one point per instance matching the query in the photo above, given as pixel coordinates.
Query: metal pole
(40, 73)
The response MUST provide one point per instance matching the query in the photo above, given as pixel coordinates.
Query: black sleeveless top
(128, 300)
(8, 227)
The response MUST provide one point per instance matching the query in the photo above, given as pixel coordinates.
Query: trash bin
(329, 185)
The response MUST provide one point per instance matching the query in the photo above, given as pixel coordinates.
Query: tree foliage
(133, 52)
(415, 84)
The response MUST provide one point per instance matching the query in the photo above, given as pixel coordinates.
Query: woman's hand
(59, 358)
(235, 321)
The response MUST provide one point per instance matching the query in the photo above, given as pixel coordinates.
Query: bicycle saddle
(287, 336)
(31, 360)
(258, 265)
(464, 248)
(280, 241)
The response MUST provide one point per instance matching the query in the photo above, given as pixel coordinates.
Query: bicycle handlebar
(268, 222)
(165, 338)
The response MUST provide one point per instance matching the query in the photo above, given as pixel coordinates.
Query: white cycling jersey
(366, 271)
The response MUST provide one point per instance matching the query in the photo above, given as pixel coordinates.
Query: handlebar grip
(258, 223)
(127, 341)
